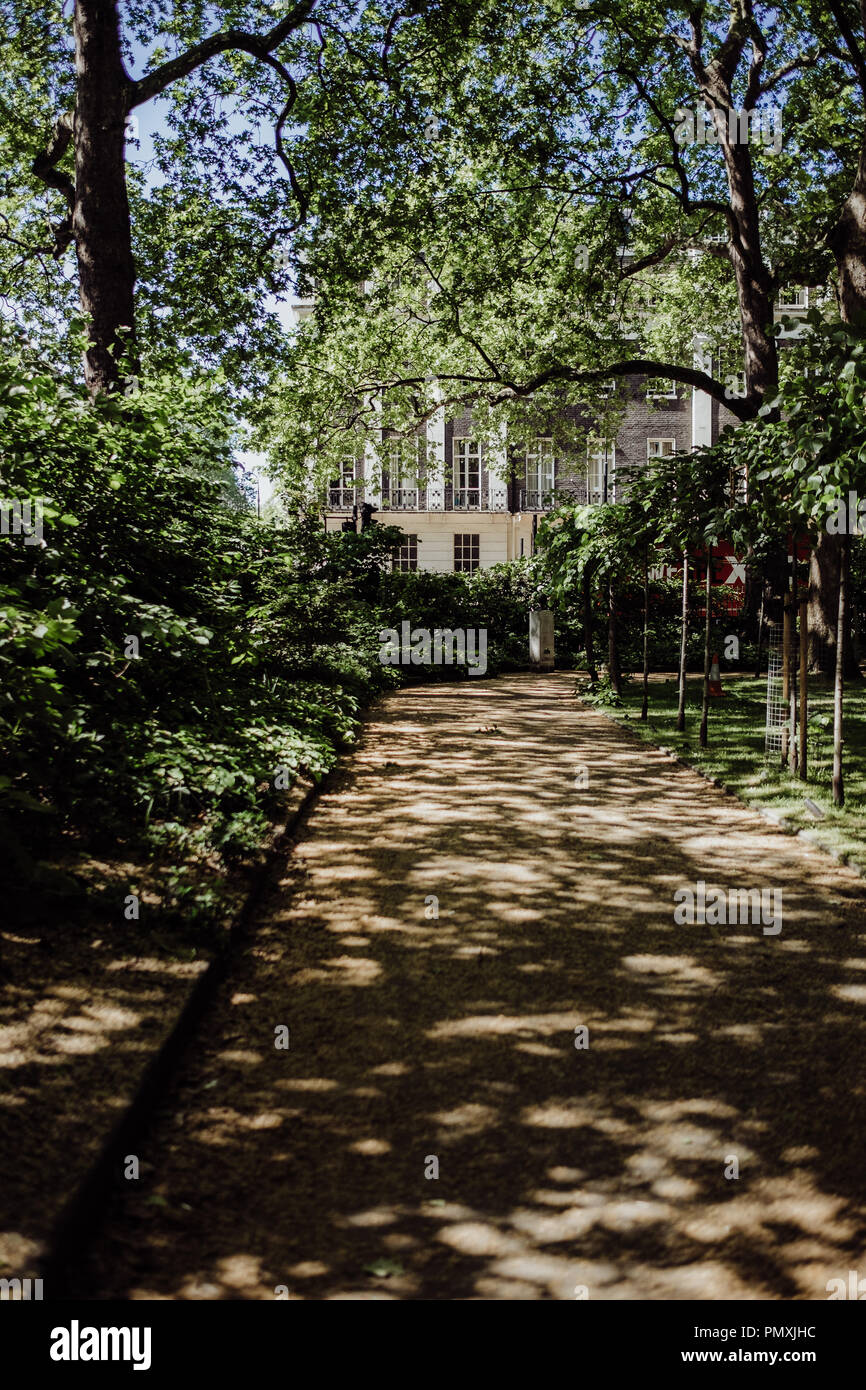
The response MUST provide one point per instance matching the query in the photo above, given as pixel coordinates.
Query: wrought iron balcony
(419, 499)
(466, 499)
(535, 500)
(342, 499)
(403, 499)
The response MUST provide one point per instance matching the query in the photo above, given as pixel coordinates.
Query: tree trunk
(793, 745)
(612, 645)
(587, 628)
(824, 566)
(101, 220)
(705, 703)
(847, 241)
(645, 704)
(839, 686)
(760, 627)
(753, 280)
(684, 633)
(804, 688)
(787, 732)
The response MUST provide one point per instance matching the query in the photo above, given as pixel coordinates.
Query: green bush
(164, 654)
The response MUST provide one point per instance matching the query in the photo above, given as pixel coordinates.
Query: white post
(702, 404)
(497, 475)
(372, 490)
(541, 653)
(436, 460)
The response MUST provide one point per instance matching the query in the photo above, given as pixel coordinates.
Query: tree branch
(854, 49)
(756, 67)
(260, 46)
(743, 409)
(803, 60)
(44, 165)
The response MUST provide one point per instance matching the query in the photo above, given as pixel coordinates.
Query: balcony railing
(583, 491)
(403, 499)
(420, 499)
(466, 499)
(535, 500)
(341, 499)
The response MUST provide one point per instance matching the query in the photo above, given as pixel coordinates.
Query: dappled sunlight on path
(414, 1037)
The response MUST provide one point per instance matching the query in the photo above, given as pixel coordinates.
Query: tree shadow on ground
(85, 1004)
(562, 1171)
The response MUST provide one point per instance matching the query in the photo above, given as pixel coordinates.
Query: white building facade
(464, 504)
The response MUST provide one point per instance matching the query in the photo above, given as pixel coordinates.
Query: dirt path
(411, 1037)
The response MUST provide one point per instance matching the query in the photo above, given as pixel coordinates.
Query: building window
(661, 388)
(600, 463)
(539, 465)
(539, 474)
(406, 555)
(729, 371)
(403, 465)
(466, 455)
(651, 301)
(466, 548)
(341, 490)
(660, 448)
(793, 297)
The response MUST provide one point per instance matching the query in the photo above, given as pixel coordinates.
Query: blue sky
(149, 120)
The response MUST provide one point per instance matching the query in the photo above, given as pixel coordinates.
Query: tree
(571, 141)
(808, 454)
(685, 501)
(601, 545)
(96, 219)
(214, 184)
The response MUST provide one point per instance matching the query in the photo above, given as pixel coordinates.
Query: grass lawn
(736, 752)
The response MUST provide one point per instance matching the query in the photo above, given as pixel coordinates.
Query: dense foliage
(169, 662)
(163, 655)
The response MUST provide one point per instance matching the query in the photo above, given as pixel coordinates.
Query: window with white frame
(600, 461)
(466, 552)
(793, 297)
(341, 490)
(660, 448)
(661, 388)
(402, 461)
(727, 362)
(466, 455)
(406, 555)
(540, 468)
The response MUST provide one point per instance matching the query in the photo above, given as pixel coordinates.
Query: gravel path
(562, 1171)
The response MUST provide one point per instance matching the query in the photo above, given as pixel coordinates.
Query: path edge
(84, 1208)
(780, 822)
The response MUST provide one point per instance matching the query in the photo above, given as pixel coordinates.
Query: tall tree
(577, 132)
(97, 218)
(233, 80)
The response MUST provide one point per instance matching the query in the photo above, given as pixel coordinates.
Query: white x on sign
(738, 572)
